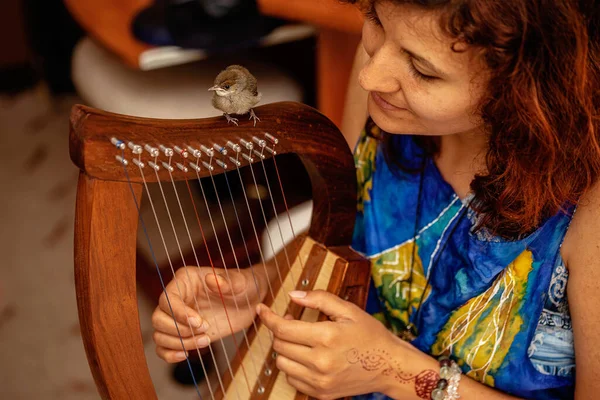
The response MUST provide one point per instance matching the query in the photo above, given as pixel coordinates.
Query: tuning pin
(259, 142)
(153, 151)
(183, 153)
(272, 138)
(194, 152)
(167, 150)
(135, 148)
(221, 164)
(207, 151)
(220, 149)
(246, 144)
(121, 160)
(181, 167)
(235, 162)
(168, 167)
(270, 150)
(208, 166)
(118, 143)
(233, 146)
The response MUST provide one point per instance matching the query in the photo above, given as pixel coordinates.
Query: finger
(172, 304)
(294, 369)
(293, 351)
(170, 356)
(293, 331)
(302, 387)
(163, 322)
(289, 317)
(220, 284)
(175, 342)
(328, 303)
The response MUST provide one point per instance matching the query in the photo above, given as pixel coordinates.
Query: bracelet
(447, 385)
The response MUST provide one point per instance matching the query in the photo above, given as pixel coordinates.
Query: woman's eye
(418, 74)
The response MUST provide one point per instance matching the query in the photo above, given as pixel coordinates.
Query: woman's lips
(384, 104)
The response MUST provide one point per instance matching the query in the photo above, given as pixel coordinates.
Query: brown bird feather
(236, 92)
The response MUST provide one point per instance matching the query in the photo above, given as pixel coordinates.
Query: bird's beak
(213, 88)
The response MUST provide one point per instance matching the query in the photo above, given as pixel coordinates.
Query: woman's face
(417, 84)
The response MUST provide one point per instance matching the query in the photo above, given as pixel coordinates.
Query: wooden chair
(107, 219)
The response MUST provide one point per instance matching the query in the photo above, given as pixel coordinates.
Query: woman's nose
(378, 74)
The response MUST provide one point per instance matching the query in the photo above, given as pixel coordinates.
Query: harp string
(237, 265)
(162, 283)
(259, 246)
(299, 255)
(168, 168)
(206, 289)
(226, 274)
(269, 361)
(177, 285)
(262, 257)
(262, 145)
(202, 281)
(276, 216)
(287, 210)
(249, 260)
(212, 265)
(270, 240)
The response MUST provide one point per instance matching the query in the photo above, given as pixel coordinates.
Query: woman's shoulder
(583, 233)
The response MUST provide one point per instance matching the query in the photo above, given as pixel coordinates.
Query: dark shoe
(183, 375)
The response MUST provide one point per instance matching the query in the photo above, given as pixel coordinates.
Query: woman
(481, 143)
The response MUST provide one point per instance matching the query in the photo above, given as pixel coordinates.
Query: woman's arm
(581, 252)
(418, 364)
(355, 108)
(353, 353)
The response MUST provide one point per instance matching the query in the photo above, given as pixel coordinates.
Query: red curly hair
(542, 104)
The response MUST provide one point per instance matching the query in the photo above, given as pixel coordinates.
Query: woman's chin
(387, 123)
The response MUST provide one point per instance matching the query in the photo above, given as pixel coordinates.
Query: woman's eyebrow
(425, 62)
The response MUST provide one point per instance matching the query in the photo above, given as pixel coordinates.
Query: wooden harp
(107, 219)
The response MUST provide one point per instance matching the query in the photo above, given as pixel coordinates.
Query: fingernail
(258, 309)
(297, 294)
(195, 322)
(203, 341)
(204, 326)
(180, 355)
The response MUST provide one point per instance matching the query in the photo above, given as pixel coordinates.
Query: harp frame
(106, 221)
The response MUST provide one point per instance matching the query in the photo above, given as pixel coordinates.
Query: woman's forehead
(418, 30)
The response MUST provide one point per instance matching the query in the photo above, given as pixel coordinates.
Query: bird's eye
(226, 87)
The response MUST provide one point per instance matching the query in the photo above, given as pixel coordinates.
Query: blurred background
(136, 57)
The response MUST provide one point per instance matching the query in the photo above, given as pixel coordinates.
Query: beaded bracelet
(447, 385)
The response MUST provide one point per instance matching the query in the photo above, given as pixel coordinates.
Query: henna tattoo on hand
(378, 359)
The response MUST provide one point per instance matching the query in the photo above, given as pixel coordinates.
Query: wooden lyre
(104, 146)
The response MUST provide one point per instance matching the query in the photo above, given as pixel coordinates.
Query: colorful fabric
(497, 306)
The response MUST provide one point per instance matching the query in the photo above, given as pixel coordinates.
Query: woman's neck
(462, 156)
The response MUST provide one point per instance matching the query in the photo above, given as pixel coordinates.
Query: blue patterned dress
(498, 307)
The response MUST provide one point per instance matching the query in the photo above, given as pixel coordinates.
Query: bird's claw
(231, 119)
(253, 116)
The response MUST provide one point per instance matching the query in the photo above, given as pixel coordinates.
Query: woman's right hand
(194, 297)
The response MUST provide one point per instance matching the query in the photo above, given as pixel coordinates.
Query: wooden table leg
(335, 55)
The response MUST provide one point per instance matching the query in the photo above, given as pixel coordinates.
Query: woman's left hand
(351, 354)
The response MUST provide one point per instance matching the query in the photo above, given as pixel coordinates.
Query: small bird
(236, 92)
